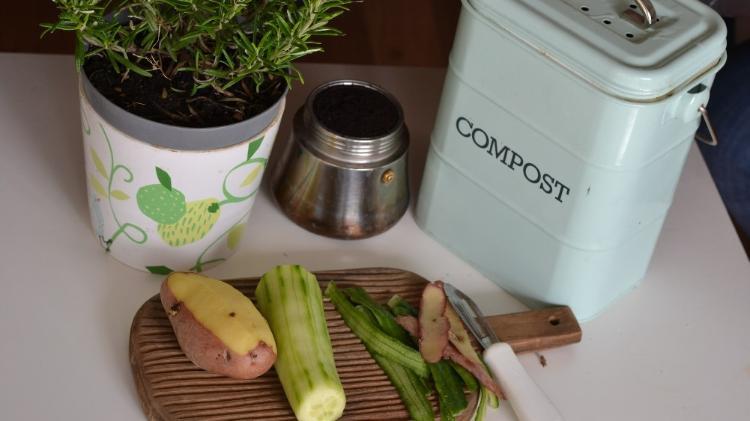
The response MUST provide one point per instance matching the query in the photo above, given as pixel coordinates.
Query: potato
(217, 326)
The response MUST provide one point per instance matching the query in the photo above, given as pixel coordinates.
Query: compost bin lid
(610, 43)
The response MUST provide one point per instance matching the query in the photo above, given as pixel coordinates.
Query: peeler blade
(470, 315)
(529, 402)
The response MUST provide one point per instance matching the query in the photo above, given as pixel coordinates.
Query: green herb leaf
(128, 64)
(164, 178)
(80, 52)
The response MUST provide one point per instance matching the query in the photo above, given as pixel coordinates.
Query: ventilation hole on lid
(585, 8)
(629, 35)
(607, 22)
(697, 89)
(632, 6)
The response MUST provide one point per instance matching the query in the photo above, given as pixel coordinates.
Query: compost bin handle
(647, 9)
(714, 141)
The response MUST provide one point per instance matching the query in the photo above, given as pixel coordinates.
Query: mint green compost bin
(562, 131)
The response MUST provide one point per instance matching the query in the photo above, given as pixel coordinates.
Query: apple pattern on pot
(197, 222)
(182, 223)
(161, 202)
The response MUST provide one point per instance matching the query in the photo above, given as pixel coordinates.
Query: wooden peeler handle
(535, 330)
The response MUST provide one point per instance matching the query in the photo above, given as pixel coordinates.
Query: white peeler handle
(528, 401)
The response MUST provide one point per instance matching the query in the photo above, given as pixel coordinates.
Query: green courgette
(289, 298)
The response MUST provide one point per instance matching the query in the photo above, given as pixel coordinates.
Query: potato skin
(206, 351)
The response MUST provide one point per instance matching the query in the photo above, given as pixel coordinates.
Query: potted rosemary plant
(180, 104)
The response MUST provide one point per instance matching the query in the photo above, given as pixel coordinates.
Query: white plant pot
(165, 198)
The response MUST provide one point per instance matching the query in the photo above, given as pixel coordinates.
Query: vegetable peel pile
(421, 351)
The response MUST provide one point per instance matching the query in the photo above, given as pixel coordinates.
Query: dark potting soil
(355, 111)
(160, 99)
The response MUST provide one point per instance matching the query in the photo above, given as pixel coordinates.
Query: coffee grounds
(160, 99)
(356, 111)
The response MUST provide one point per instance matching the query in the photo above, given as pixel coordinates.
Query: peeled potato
(217, 326)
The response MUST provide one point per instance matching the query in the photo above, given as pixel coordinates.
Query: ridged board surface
(172, 388)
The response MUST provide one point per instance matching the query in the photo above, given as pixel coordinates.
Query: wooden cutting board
(170, 387)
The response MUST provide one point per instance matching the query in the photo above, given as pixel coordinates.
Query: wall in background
(392, 32)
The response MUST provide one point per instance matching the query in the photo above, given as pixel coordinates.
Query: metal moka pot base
(334, 181)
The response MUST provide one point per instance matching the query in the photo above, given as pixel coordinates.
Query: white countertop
(676, 348)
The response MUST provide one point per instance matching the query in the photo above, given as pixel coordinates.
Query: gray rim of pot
(178, 137)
